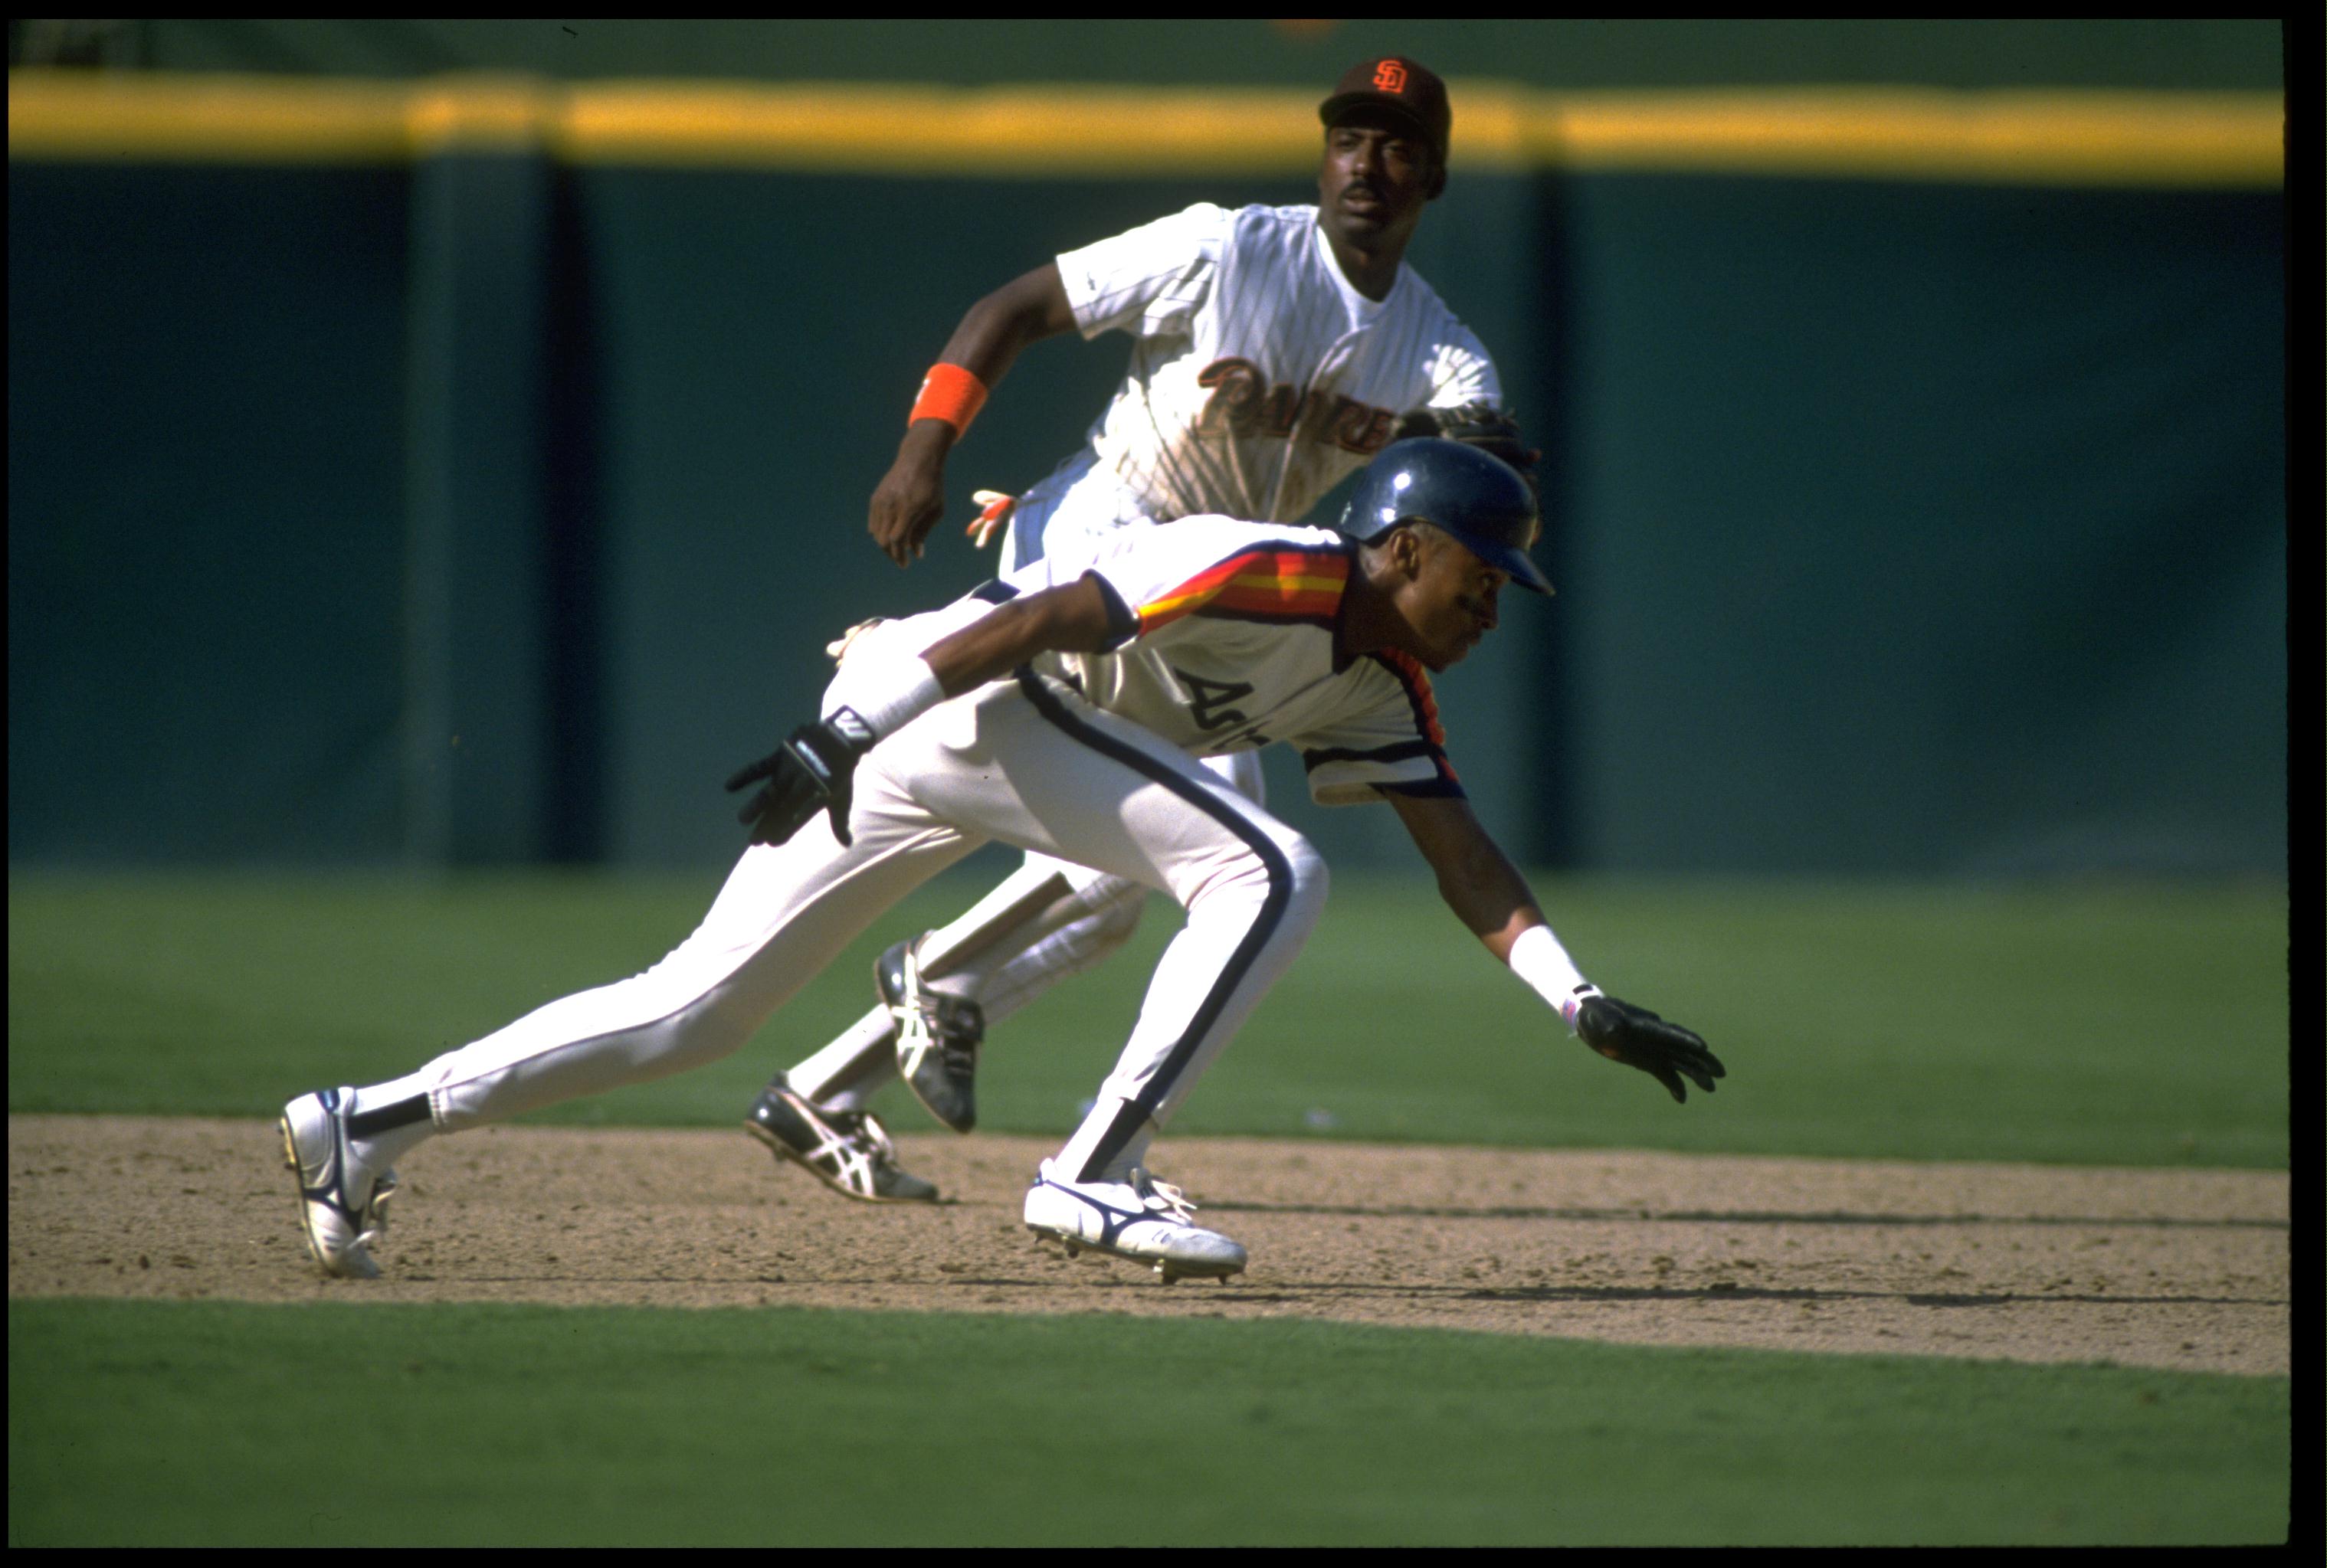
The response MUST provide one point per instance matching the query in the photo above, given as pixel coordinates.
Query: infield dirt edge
(2185, 1270)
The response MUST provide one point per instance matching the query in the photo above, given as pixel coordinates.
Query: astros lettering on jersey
(1227, 642)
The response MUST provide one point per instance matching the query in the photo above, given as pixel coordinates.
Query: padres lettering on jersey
(1260, 377)
(1229, 644)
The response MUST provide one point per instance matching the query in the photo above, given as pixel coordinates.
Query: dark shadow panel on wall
(573, 463)
(1929, 528)
(205, 522)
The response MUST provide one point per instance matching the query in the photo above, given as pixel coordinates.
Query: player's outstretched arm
(1489, 895)
(888, 685)
(1475, 877)
(911, 497)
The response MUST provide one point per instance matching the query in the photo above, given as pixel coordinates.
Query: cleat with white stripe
(1143, 1219)
(847, 1151)
(938, 1038)
(342, 1202)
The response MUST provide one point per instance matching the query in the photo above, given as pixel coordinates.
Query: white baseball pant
(1066, 516)
(1025, 762)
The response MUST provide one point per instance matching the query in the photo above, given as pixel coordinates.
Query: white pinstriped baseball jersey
(1227, 633)
(1260, 378)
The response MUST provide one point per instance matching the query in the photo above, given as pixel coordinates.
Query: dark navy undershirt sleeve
(1122, 621)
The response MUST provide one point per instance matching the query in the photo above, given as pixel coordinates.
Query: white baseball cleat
(1143, 1219)
(342, 1202)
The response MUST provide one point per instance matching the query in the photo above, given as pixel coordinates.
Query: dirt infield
(2176, 1269)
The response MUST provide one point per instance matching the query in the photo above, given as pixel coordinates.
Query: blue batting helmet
(1476, 497)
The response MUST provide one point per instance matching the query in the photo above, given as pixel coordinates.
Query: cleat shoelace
(917, 1014)
(374, 1216)
(865, 1125)
(1162, 1197)
(856, 1145)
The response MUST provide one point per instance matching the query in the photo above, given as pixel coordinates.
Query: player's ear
(1407, 550)
(1437, 179)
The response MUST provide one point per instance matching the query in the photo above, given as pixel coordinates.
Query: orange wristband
(951, 394)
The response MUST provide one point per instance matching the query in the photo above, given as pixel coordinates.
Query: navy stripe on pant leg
(1272, 906)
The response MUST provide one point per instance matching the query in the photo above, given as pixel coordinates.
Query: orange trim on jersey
(1417, 681)
(1262, 584)
(1409, 670)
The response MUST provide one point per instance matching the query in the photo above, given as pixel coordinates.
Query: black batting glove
(1638, 1038)
(814, 770)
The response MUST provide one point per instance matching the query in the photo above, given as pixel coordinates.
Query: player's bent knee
(1308, 880)
(1287, 875)
(1275, 874)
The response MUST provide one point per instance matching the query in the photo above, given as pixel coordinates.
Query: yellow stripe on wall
(2047, 139)
(1038, 131)
(202, 120)
(1020, 131)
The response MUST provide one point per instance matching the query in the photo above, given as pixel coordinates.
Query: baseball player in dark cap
(1405, 90)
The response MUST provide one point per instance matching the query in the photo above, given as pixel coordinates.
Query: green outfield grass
(2135, 1025)
(2041, 1024)
(153, 1424)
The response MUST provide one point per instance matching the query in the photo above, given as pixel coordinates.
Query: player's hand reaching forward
(1638, 1038)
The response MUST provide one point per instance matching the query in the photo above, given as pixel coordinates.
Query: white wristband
(886, 688)
(1537, 958)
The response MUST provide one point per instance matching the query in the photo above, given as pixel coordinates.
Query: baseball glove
(1489, 429)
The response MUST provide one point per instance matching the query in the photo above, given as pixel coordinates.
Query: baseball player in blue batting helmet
(1065, 707)
(1474, 496)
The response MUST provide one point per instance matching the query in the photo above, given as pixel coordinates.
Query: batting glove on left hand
(1638, 1038)
(814, 769)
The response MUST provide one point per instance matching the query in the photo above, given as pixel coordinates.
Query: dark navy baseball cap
(1403, 86)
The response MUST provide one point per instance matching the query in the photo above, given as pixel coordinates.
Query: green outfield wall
(471, 473)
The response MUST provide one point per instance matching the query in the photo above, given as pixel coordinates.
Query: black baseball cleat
(847, 1151)
(938, 1037)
